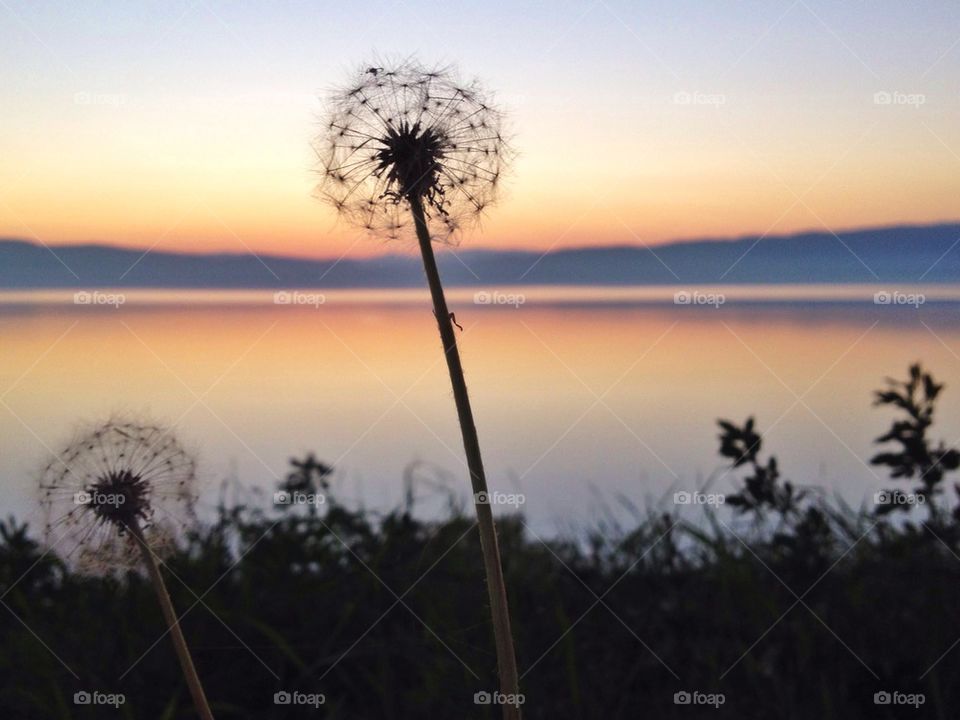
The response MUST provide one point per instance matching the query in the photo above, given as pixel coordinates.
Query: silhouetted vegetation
(789, 604)
(411, 147)
(915, 457)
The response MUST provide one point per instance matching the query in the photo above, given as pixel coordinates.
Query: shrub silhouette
(763, 489)
(915, 457)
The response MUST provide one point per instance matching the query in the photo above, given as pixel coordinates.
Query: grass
(786, 604)
(310, 604)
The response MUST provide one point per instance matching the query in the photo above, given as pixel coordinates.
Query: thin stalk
(179, 642)
(506, 658)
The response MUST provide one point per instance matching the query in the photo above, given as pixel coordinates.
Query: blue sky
(188, 123)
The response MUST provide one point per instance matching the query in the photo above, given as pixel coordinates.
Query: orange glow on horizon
(203, 146)
(211, 210)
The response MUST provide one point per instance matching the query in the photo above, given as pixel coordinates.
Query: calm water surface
(583, 397)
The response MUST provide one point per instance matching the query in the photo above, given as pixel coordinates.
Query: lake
(587, 400)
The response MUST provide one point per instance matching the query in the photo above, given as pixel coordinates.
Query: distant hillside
(910, 254)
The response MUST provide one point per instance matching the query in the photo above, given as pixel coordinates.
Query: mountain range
(902, 254)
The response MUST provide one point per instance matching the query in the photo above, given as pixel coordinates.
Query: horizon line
(36, 242)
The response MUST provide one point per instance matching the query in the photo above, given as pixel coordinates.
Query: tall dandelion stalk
(408, 150)
(116, 498)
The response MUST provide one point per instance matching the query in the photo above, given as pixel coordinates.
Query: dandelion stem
(176, 634)
(506, 658)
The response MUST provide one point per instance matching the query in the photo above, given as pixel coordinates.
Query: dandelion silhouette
(407, 137)
(411, 148)
(119, 495)
(114, 477)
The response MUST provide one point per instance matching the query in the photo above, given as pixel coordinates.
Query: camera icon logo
(882, 698)
(882, 298)
(282, 698)
(681, 498)
(682, 698)
(682, 298)
(281, 497)
(883, 497)
(82, 697)
(82, 497)
(482, 498)
(482, 698)
(481, 298)
(82, 298)
(882, 98)
(282, 297)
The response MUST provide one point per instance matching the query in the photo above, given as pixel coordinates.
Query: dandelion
(408, 148)
(407, 141)
(117, 496)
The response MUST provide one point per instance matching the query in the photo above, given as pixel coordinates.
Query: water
(584, 397)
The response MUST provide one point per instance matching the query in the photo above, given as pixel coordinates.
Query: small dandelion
(120, 495)
(407, 149)
(110, 479)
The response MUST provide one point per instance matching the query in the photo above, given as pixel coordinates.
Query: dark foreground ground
(387, 619)
(776, 605)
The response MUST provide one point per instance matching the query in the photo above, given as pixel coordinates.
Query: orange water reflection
(622, 397)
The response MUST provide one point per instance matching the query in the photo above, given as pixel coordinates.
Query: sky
(187, 125)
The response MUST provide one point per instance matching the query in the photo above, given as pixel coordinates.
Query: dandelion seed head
(405, 134)
(111, 478)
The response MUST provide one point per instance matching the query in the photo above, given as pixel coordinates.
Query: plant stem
(506, 658)
(166, 606)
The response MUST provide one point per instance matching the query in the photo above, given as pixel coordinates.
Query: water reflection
(571, 390)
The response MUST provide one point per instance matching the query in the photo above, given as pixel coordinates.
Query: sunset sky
(187, 125)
